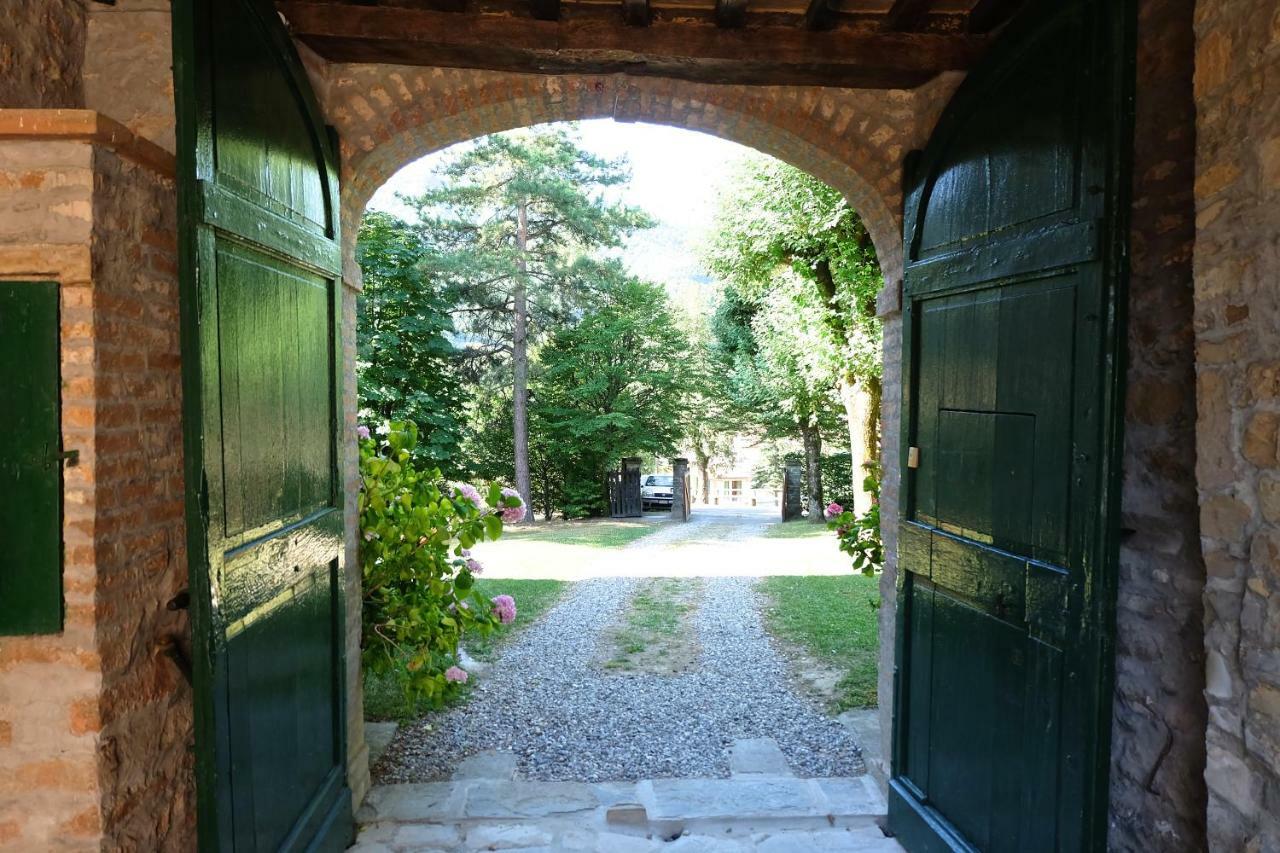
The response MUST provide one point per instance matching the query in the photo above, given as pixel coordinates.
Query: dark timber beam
(636, 12)
(545, 10)
(781, 55)
(989, 14)
(818, 15)
(731, 14)
(906, 14)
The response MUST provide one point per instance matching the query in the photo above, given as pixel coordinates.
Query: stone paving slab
(742, 814)
(758, 756)
(720, 799)
(490, 764)
(520, 799)
(378, 737)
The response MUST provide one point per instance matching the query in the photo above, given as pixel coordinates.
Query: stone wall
(41, 52)
(1157, 784)
(128, 69)
(1237, 327)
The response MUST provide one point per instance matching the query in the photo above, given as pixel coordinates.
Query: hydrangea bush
(860, 534)
(416, 563)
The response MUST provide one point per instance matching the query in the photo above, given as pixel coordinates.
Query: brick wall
(49, 685)
(146, 769)
(95, 721)
(41, 51)
(1237, 327)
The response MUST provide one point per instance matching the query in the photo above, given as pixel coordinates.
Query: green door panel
(1014, 269)
(261, 304)
(31, 460)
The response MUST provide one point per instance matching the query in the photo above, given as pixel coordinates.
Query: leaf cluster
(417, 587)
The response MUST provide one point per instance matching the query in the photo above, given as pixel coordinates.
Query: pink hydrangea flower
(504, 607)
(468, 491)
(362, 431)
(513, 514)
(474, 566)
(456, 674)
(834, 509)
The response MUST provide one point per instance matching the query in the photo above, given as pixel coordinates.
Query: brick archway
(387, 116)
(854, 140)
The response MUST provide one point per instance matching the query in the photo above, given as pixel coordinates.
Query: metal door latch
(67, 459)
(913, 457)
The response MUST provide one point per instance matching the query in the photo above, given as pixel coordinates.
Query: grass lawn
(384, 697)
(603, 533)
(796, 529)
(833, 620)
(656, 634)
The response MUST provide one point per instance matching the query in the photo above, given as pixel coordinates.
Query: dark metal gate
(624, 490)
(792, 492)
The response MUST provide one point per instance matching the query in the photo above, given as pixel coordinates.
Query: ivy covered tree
(777, 218)
(518, 225)
(406, 363)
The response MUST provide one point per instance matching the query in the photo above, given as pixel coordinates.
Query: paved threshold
(484, 807)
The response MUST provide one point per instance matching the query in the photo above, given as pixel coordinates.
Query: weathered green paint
(30, 460)
(1014, 246)
(261, 307)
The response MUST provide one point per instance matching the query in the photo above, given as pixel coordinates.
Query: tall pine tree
(516, 226)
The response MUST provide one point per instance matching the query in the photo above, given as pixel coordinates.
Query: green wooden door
(1014, 269)
(261, 301)
(31, 460)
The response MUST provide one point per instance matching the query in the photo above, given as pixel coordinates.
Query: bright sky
(675, 175)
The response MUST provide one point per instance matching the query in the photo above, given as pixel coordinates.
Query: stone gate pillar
(680, 489)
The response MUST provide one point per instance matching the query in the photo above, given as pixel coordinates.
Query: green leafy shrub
(860, 534)
(418, 575)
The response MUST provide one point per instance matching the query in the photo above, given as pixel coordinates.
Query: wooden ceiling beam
(819, 15)
(906, 15)
(636, 12)
(731, 14)
(781, 55)
(545, 10)
(989, 14)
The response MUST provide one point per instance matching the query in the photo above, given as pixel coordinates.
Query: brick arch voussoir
(400, 115)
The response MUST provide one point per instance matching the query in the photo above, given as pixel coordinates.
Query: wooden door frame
(1117, 29)
(195, 245)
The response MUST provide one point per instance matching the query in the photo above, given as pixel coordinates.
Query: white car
(655, 490)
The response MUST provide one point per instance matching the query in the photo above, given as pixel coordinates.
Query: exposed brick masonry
(41, 51)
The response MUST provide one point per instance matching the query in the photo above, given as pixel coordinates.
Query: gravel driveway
(547, 700)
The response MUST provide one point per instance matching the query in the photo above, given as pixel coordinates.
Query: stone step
(480, 809)
(749, 803)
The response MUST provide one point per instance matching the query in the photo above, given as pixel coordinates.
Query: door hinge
(913, 457)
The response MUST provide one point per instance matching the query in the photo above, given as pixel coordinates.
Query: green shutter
(30, 460)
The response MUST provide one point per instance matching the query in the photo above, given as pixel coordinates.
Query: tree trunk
(520, 363)
(855, 406)
(704, 468)
(813, 471)
(875, 393)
